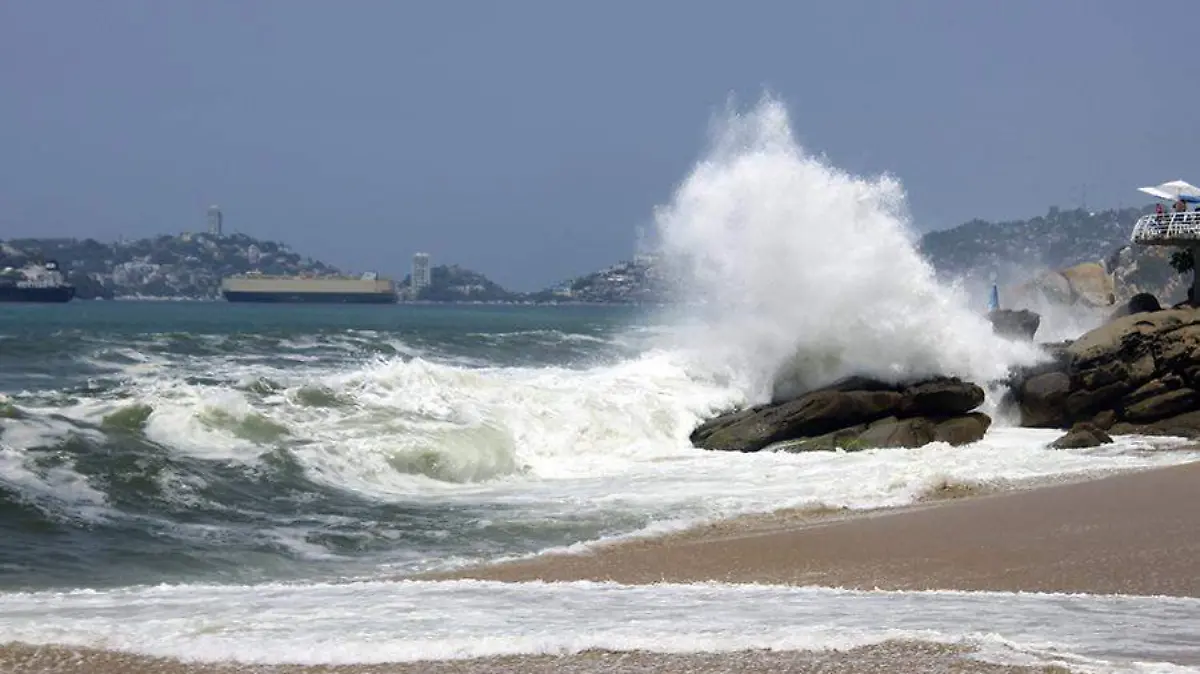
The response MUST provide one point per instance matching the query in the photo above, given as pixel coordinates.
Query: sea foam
(805, 273)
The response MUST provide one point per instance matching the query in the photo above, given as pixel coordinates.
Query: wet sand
(1136, 533)
(887, 657)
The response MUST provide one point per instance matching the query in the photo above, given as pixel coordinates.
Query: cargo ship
(258, 287)
(35, 283)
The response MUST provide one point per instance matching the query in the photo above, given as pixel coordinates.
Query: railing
(40, 283)
(1166, 228)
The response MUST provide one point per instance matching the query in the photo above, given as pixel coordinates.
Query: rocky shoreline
(1139, 373)
(855, 413)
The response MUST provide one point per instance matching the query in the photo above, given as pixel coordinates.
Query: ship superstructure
(257, 287)
(35, 283)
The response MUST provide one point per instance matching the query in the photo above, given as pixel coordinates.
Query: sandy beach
(1136, 533)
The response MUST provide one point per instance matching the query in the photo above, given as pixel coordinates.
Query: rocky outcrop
(1138, 304)
(1081, 435)
(1088, 284)
(855, 413)
(1146, 269)
(1129, 273)
(1138, 374)
(1015, 324)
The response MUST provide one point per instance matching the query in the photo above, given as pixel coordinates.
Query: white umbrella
(1174, 191)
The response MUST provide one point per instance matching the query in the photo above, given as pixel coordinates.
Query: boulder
(1082, 435)
(1014, 324)
(962, 430)
(894, 432)
(941, 397)
(1138, 304)
(1090, 284)
(1140, 371)
(1053, 286)
(854, 413)
(1146, 270)
(1186, 425)
(1043, 399)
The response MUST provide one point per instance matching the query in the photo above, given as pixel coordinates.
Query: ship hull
(55, 294)
(293, 297)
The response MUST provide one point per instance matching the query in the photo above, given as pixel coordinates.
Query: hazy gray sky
(528, 140)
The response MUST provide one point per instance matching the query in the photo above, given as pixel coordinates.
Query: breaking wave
(806, 273)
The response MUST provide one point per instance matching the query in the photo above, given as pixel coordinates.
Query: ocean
(207, 481)
(203, 479)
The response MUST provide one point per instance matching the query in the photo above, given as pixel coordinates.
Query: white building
(421, 274)
(215, 220)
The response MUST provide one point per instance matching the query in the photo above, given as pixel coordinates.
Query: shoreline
(1134, 533)
(911, 656)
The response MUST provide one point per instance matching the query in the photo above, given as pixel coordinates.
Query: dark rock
(1082, 435)
(1104, 420)
(1043, 398)
(1142, 303)
(1162, 406)
(845, 439)
(943, 397)
(893, 432)
(785, 389)
(858, 383)
(1085, 403)
(1186, 425)
(1015, 324)
(962, 430)
(811, 415)
(1130, 373)
(1152, 388)
(853, 413)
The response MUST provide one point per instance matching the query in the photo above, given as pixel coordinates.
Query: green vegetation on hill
(192, 265)
(182, 266)
(452, 283)
(1060, 238)
(642, 280)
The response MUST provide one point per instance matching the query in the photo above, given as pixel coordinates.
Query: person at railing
(1181, 206)
(1159, 212)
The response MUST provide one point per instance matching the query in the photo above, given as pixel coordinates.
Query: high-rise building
(421, 275)
(214, 220)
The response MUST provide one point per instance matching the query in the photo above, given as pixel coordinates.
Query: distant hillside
(1058, 239)
(192, 265)
(182, 266)
(452, 283)
(1007, 252)
(628, 282)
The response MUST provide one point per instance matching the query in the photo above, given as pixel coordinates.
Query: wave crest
(805, 273)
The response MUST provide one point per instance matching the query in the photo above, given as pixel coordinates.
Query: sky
(529, 139)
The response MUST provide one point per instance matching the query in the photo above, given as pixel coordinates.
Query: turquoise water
(158, 441)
